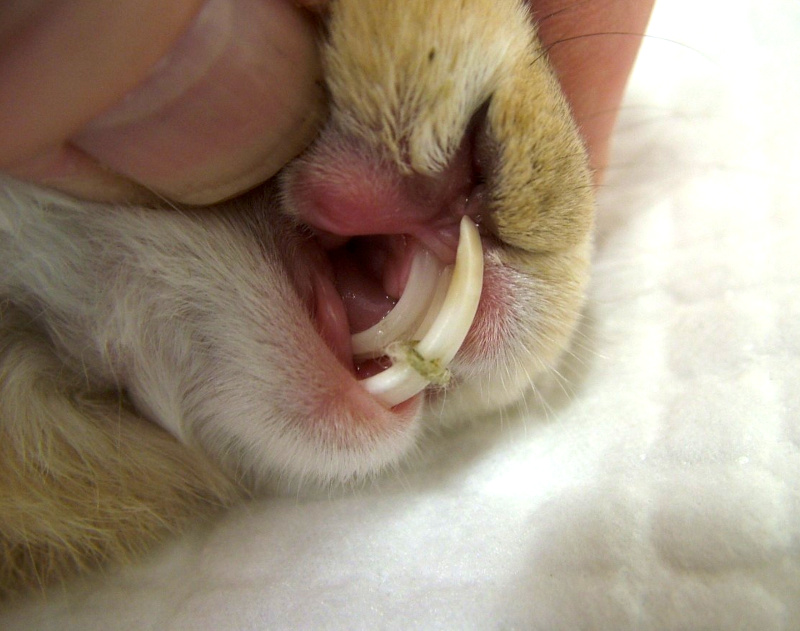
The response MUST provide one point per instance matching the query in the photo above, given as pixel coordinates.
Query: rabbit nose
(345, 188)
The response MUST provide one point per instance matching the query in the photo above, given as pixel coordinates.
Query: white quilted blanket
(658, 489)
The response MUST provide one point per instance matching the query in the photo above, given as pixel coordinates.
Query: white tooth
(405, 316)
(416, 364)
(436, 302)
(447, 332)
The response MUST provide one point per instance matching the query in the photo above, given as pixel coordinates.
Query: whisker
(546, 49)
(571, 7)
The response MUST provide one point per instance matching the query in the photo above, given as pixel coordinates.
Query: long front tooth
(448, 331)
(405, 316)
(436, 302)
(415, 365)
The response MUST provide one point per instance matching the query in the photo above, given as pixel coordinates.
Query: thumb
(234, 95)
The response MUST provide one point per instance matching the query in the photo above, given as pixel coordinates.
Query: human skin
(138, 100)
(592, 45)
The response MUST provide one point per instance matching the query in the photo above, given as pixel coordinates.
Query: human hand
(592, 45)
(193, 101)
(197, 102)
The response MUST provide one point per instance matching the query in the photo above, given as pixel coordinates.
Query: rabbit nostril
(484, 154)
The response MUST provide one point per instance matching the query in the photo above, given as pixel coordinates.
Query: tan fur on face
(198, 318)
(407, 77)
(416, 72)
(542, 189)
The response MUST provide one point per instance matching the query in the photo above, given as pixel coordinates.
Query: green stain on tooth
(430, 369)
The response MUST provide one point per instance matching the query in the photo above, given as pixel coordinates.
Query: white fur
(192, 315)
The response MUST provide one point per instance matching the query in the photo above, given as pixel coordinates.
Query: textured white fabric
(659, 489)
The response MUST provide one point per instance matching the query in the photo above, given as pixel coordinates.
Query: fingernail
(234, 99)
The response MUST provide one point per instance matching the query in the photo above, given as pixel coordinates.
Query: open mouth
(397, 269)
(397, 335)
(423, 332)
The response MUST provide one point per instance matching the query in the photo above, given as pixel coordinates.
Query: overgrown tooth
(448, 331)
(416, 364)
(436, 302)
(404, 318)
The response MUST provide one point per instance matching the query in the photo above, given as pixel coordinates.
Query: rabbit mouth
(397, 269)
(422, 332)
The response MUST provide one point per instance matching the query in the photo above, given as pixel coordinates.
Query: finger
(234, 98)
(593, 70)
(64, 61)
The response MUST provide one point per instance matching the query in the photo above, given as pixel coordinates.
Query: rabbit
(160, 364)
